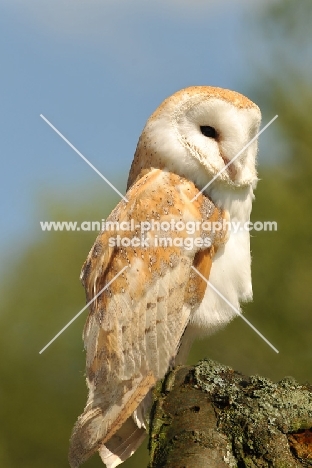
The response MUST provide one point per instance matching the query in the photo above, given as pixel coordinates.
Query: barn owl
(146, 319)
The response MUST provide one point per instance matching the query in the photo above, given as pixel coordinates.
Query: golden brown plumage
(134, 328)
(150, 314)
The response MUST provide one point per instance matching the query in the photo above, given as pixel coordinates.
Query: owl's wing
(135, 325)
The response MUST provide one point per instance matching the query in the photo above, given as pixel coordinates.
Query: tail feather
(95, 428)
(85, 437)
(84, 443)
(123, 444)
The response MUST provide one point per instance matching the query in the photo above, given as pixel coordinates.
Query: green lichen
(256, 413)
(213, 417)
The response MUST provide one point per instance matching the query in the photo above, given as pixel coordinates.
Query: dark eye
(209, 132)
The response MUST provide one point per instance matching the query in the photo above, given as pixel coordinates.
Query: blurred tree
(282, 273)
(42, 395)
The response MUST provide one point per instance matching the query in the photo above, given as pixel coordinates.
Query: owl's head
(196, 132)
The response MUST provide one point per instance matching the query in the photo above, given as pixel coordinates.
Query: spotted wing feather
(134, 327)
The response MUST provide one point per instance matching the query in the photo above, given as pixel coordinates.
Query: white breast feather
(231, 268)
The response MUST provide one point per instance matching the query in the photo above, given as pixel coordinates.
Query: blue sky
(97, 69)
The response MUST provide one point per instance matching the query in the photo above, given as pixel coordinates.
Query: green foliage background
(42, 395)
